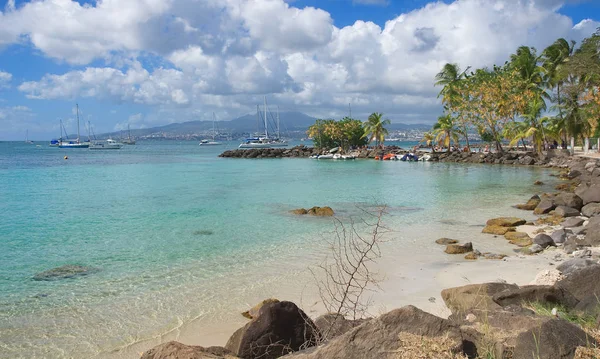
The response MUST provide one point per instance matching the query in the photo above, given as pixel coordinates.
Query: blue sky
(154, 62)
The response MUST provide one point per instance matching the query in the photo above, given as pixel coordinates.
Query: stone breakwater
(509, 157)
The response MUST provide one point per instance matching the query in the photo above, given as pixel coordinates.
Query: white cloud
(5, 79)
(224, 54)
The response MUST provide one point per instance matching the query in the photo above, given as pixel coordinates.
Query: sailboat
(265, 142)
(128, 140)
(70, 143)
(213, 142)
(27, 137)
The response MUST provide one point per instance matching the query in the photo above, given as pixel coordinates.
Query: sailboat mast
(278, 136)
(266, 127)
(213, 127)
(77, 105)
(128, 133)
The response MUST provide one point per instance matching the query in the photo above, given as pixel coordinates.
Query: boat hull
(262, 145)
(74, 145)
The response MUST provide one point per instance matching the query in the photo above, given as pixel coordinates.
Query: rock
(545, 206)
(538, 183)
(497, 230)
(176, 350)
(592, 236)
(64, 272)
(559, 236)
(583, 253)
(545, 294)
(547, 277)
(588, 306)
(494, 256)
(461, 300)
(321, 211)
(543, 240)
(553, 339)
(471, 256)
(511, 236)
(459, 248)
(381, 337)
(279, 328)
(591, 209)
(574, 265)
(506, 222)
(564, 211)
(333, 325)
(531, 203)
(591, 194)
(573, 173)
(253, 312)
(587, 352)
(582, 283)
(535, 248)
(299, 211)
(446, 241)
(572, 222)
(569, 200)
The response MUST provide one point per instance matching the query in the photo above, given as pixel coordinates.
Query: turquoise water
(178, 234)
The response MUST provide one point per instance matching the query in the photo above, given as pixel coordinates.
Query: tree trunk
(598, 145)
(586, 145)
(572, 145)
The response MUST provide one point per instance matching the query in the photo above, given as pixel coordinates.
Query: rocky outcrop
(543, 240)
(568, 200)
(581, 283)
(506, 222)
(459, 248)
(497, 230)
(531, 203)
(545, 206)
(545, 294)
(176, 350)
(564, 211)
(278, 329)
(461, 300)
(446, 241)
(254, 311)
(64, 272)
(314, 211)
(333, 325)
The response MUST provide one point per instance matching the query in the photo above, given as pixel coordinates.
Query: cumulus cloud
(5, 79)
(224, 54)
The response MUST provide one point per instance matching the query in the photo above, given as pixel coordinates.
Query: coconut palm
(449, 78)
(428, 138)
(531, 126)
(374, 128)
(445, 131)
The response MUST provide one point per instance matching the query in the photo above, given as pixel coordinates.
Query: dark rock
(574, 265)
(569, 200)
(591, 209)
(254, 311)
(553, 339)
(590, 194)
(559, 236)
(582, 283)
(506, 222)
(459, 248)
(589, 306)
(564, 211)
(279, 328)
(543, 240)
(535, 248)
(545, 206)
(446, 241)
(176, 350)
(64, 272)
(333, 325)
(535, 293)
(538, 183)
(461, 300)
(573, 174)
(379, 337)
(572, 222)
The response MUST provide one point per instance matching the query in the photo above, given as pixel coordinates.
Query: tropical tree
(428, 138)
(531, 126)
(330, 133)
(445, 131)
(451, 78)
(374, 128)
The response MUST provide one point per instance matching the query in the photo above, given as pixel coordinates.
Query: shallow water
(177, 234)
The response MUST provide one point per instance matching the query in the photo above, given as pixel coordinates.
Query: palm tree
(531, 126)
(428, 138)
(445, 131)
(374, 128)
(449, 78)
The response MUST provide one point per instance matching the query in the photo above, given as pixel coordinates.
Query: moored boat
(109, 144)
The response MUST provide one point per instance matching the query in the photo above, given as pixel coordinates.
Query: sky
(153, 62)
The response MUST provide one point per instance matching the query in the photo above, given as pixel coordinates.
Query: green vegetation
(507, 102)
(349, 132)
(545, 309)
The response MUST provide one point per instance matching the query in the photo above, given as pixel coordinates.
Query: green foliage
(545, 309)
(345, 133)
(374, 128)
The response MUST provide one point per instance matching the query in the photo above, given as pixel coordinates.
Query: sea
(175, 237)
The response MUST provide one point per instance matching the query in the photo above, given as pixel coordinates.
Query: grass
(587, 322)
(418, 347)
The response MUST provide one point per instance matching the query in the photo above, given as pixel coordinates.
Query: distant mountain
(293, 123)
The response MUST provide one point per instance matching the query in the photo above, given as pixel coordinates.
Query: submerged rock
(299, 211)
(497, 230)
(506, 222)
(64, 272)
(531, 203)
(204, 232)
(321, 211)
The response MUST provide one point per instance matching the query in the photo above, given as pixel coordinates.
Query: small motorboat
(328, 156)
(409, 157)
(338, 156)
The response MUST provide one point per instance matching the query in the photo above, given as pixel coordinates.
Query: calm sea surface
(176, 234)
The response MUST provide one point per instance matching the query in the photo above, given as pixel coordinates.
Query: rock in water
(459, 248)
(279, 328)
(531, 203)
(446, 241)
(64, 272)
(299, 211)
(321, 211)
(176, 350)
(497, 230)
(506, 222)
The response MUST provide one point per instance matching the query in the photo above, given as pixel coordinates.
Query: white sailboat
(213, 142)
(73, 143)
(128, 140)
(265, 142)
(27, 137)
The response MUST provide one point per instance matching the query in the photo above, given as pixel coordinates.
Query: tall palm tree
(531, 126)
(449, 78)
(445, 131)
(374, 128)
(428, 138)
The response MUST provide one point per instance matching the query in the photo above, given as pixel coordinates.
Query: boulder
(459, 248)
(176, 350)
(572, 222)
(545, 206)
(64, 272)
(545, 294)
(446, 241)
(592, 236)
(506, 222)
(321, 211)
(333, 325)
(590, 194)
(588, 306)
(543, 240)
(497, 230)
(254, 311)
(553, 339)
(279, 328)
(582, 283)
(461, 300)
(574, 265)
(381, 337)
(299, 211)
(564, 211)
(471, 256)
(591, 209)
(535, 248)
(531, 203)
(538, 183)
(559, 236)
(568, 200)
(516, 236)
